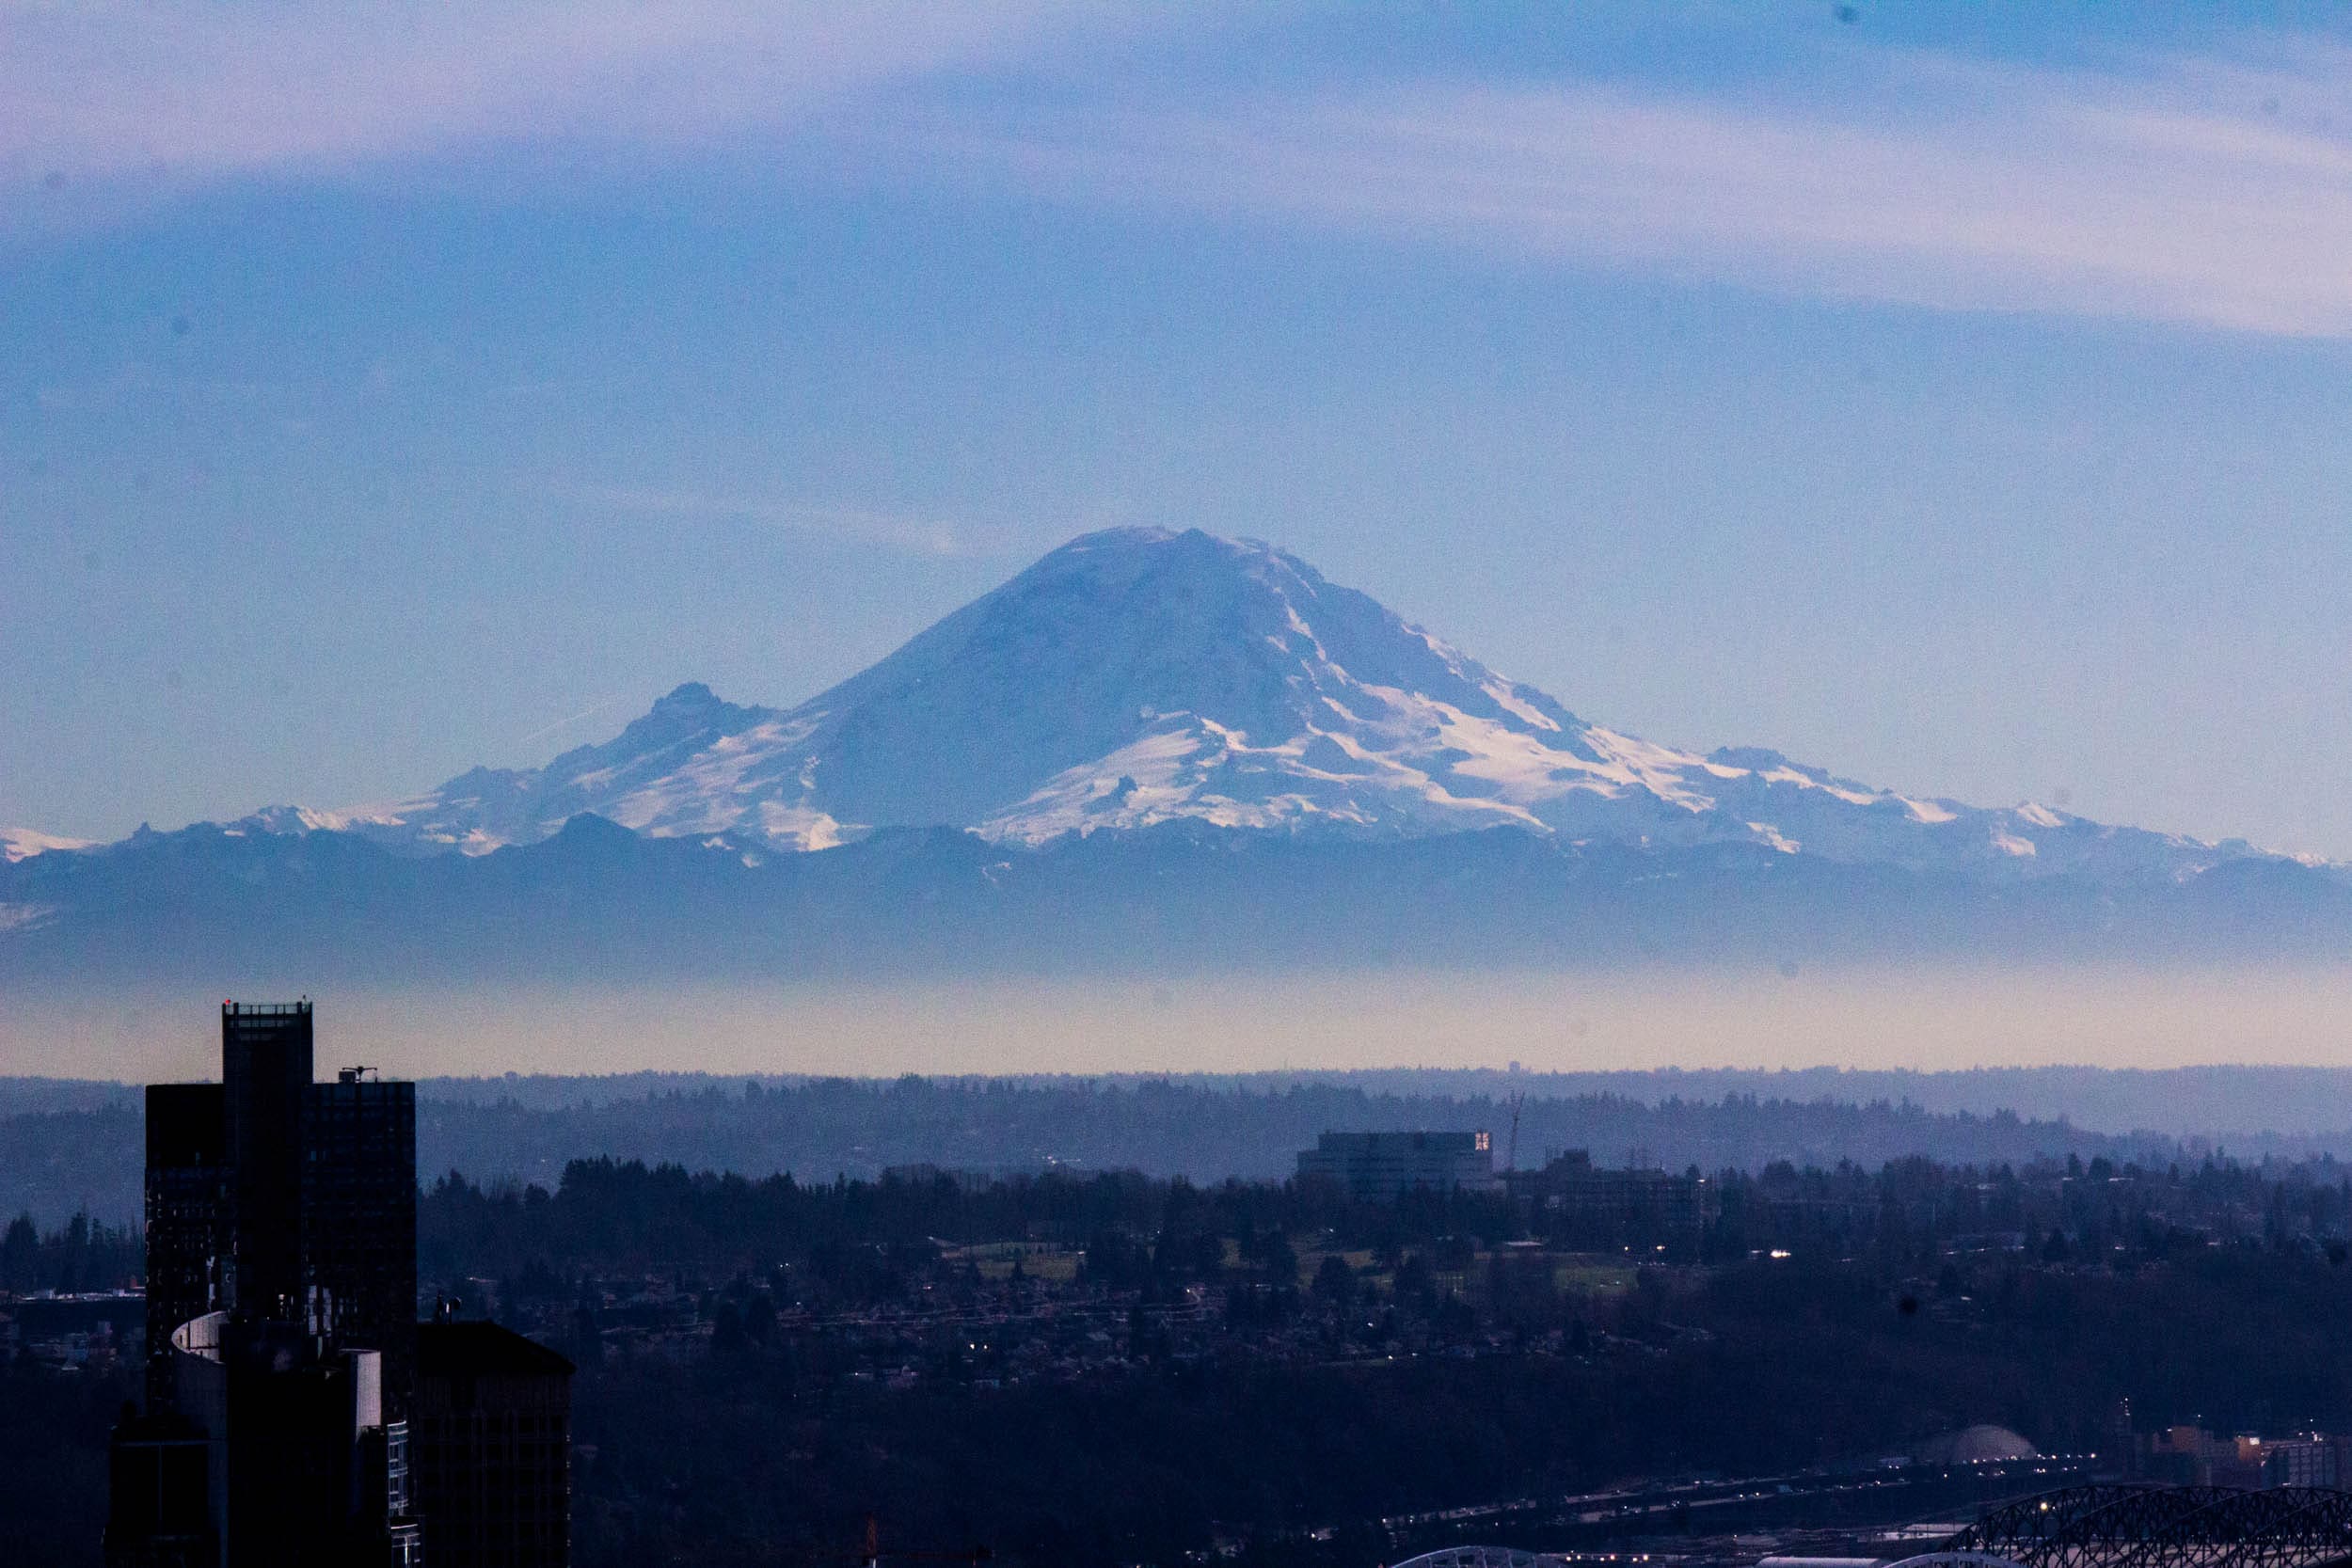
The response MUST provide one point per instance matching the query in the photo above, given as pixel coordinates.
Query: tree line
(623, 1214)
(80, 1255)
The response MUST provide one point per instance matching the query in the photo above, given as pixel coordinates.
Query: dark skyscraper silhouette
(187, 1217)
(281, 1317)
(359, 1217)
(267, 1187)
(265, 1069)
(492, 1445)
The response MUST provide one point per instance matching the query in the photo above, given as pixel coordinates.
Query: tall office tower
(265, 1074)
(266, 1187)
(492, 1441)
(359, 1218)
(188, 1218)
(282, 1318)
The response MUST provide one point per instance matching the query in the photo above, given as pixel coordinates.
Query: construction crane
(1511, 1150)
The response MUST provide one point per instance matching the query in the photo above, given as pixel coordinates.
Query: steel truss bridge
(1484, 1557)
(2156, 1526)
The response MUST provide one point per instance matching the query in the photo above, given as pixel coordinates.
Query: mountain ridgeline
(1151, 749)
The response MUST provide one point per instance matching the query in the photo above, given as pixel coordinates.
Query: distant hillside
(69, 1147)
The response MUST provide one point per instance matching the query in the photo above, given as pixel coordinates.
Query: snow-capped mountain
(1137, 675)
(17, 844)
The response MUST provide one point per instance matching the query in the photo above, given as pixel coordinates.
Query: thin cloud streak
(2212, 191)
(162, 95)
(2185, 197)
(912, 532)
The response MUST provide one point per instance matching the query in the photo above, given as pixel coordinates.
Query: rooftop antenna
(1511, 1154)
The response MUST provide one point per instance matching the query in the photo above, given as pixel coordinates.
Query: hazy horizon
(1946, 1018)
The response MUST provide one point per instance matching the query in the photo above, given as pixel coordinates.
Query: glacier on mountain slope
(1136, 676)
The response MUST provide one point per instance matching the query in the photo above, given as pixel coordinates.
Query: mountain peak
(1198, 541)
(688, 712)
(1140, 548)
(1122, 536)
(1139, 675)
(688, 697)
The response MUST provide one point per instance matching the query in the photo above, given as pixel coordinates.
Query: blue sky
(1954, 397)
